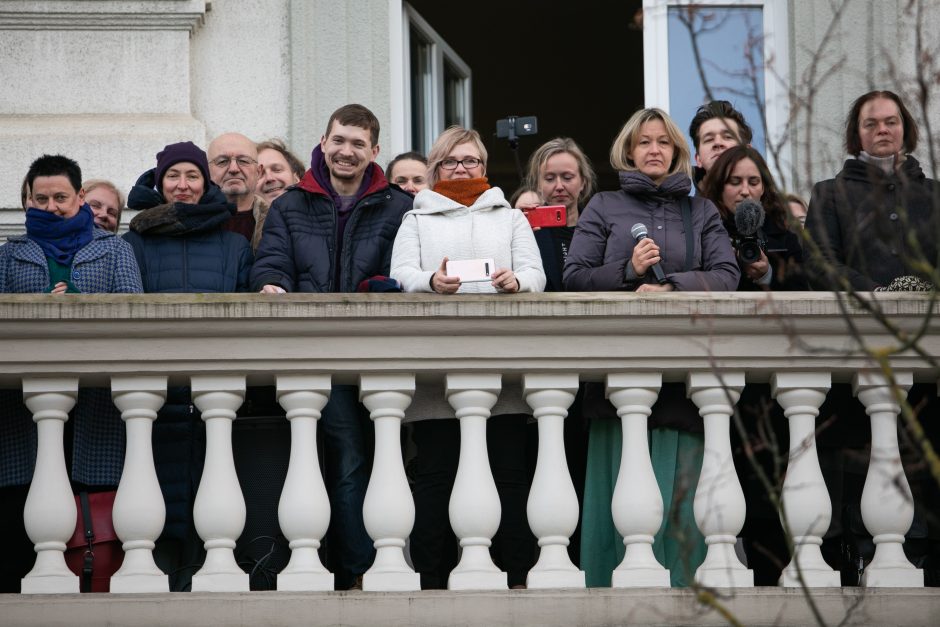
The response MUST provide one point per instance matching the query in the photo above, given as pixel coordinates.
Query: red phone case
(546, 217)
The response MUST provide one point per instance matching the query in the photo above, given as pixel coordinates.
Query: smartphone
(546, 217)
(471, 270)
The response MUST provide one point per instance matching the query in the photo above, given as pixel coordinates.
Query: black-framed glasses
(241, 161)
(467, 162)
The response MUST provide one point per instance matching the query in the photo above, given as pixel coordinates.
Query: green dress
(677, 462)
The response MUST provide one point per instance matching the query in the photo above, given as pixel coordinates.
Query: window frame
(776, 76)
(434, 108)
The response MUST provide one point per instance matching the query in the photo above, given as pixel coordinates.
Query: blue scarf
(60, 238)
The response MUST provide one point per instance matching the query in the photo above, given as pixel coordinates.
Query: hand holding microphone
(645, 254)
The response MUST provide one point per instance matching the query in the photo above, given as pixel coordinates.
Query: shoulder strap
(686, 203)
(89, 558)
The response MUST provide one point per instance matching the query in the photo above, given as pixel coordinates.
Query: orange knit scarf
(464, 191)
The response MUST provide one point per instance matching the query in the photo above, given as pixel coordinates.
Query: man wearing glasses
(333, 232)
(233, 166)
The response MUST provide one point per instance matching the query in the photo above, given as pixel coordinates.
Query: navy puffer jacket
(298, 246)
(182, 247)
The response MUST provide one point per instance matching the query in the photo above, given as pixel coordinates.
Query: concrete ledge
(547, 608)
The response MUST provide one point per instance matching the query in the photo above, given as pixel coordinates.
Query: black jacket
(298, 246)
(181, 247)
(861, 220)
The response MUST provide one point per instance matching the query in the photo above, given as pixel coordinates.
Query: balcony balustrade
(468, 348)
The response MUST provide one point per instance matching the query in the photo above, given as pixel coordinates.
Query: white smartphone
(471, 270)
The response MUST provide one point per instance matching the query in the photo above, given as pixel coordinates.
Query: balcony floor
(600, 606)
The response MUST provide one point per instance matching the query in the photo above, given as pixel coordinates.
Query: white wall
(869, 47)
(109, 83)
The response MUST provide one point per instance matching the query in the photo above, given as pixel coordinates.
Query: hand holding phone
(471, 270)
(443, 284)
(546, 216)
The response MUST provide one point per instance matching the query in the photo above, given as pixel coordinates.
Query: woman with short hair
(687, 248)
(462, 218)
(877, 220)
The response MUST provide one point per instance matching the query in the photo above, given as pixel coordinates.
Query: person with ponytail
(461, 218)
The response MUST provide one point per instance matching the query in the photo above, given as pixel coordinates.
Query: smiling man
(233, 166)
(331, 233)
(280, 169)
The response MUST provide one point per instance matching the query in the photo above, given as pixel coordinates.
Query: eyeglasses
(240, 161)
(467, 162)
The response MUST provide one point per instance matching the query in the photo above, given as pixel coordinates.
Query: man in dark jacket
(329, 233)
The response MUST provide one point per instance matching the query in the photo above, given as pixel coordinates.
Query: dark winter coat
(861, 221)
(602, 244)
(298, 246)
(181, 247)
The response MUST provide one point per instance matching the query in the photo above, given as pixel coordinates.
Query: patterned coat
(106, 264)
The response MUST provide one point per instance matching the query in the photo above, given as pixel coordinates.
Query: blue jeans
(347, 444)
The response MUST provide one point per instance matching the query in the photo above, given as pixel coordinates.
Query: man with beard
(233, 166)
(333, 232)
(280, 169)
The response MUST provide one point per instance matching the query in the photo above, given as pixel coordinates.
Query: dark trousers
(433, 544)
(347, 444)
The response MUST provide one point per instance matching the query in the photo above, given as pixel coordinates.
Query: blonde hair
(91, 184)
(626, 140)
(557, 146)
(445, 144)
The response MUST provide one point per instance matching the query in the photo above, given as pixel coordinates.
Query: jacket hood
(429, 202)
(316, 180)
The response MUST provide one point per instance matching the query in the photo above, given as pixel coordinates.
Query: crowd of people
(245, 216)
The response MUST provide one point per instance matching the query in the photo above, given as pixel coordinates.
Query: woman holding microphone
(684, 247)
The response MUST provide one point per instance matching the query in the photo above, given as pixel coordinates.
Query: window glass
(726, 46)
(421, 78)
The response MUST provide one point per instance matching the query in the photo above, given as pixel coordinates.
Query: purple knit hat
(177, 153)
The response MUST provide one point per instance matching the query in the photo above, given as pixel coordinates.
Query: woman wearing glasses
(462, 218)
(177, 237)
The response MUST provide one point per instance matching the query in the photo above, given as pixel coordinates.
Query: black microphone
(748, 217)
(639, 232)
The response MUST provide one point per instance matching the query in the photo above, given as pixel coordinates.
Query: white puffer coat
(439, 227)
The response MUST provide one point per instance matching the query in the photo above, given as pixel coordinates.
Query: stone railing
(471, 347)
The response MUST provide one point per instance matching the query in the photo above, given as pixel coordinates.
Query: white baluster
(887, 502)
(552, 508)
(304, 508)
(50, 513)
(719, 500)
(637, 504)
(805, 497)
(219, 510)
(389, 509)
(474, 502)
(139, 512)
